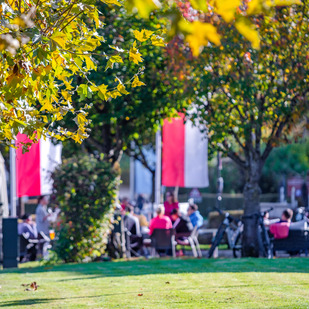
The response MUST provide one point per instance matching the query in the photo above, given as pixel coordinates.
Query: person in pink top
(160, 221)
(281, 229)
(170, 203)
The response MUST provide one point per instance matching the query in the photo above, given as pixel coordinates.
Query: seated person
(160, 221)
(131, 223)
(280, 230)
(181, 224)
(195, 216)
(143, 223)
(27, 229)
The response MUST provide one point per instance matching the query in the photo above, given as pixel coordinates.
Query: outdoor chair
(27, 249)
(297, 241)
(133, 244)
(43, 244)
(190, 239)
(163, 240)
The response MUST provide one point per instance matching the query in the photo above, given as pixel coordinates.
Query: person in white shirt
(42, 216)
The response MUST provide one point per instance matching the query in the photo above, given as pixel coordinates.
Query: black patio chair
(163, 240)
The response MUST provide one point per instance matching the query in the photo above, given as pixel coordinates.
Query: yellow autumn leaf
(285, 2)
(110, 2)
(114, 94)
(136, 82)
(227, 8)
(157, 41)
(200, 34)
(89, 63)
(248, 30)
(47, 106)
(143, 35)
(103, 92)
(255, 7)
(200, 5)
(19, 22)
(122, 89)
(81, 119)
(143, 7)
(60, 38)
(66, 95)
(134, 54)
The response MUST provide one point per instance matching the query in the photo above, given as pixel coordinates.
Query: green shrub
(85, 188)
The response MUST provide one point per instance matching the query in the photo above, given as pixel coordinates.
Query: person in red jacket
(280, 230)
(160, 221)
(170, 204)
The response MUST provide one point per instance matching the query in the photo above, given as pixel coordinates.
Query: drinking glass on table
(52, 234)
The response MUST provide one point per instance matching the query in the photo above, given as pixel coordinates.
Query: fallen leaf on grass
(141, 294)
(32, 285)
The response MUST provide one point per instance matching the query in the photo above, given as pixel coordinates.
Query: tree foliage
(85, 189)
(43, 45)
(253, 99)
(136, 116)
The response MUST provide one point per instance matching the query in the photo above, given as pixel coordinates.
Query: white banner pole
(158, 168)
(13, 182)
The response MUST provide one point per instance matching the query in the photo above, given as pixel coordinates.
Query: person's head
(192, 209)
(125, 201)
(170, 197)
(175, 214)
(129, 209)
(160, 210)
(287, 215)
(26, 218)
(43, 200)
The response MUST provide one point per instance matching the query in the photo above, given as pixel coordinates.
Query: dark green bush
(85, 189)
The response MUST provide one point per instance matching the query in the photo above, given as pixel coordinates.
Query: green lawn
(180, 283)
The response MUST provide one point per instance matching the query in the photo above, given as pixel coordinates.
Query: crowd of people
(168, 216)
(37, 234)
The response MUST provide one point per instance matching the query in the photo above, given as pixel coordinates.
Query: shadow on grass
(170, 266)
(37, 301)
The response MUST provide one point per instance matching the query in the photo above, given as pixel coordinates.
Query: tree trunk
(250, 247)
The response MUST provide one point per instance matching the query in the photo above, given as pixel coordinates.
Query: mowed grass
(180, 283)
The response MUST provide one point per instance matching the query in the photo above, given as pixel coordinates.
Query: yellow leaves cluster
(230, 11)
(38, 66)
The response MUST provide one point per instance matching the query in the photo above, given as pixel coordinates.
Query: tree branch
(235, 157)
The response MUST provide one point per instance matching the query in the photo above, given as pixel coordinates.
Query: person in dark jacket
(28, 234)
(181, 224)
(131, 224)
